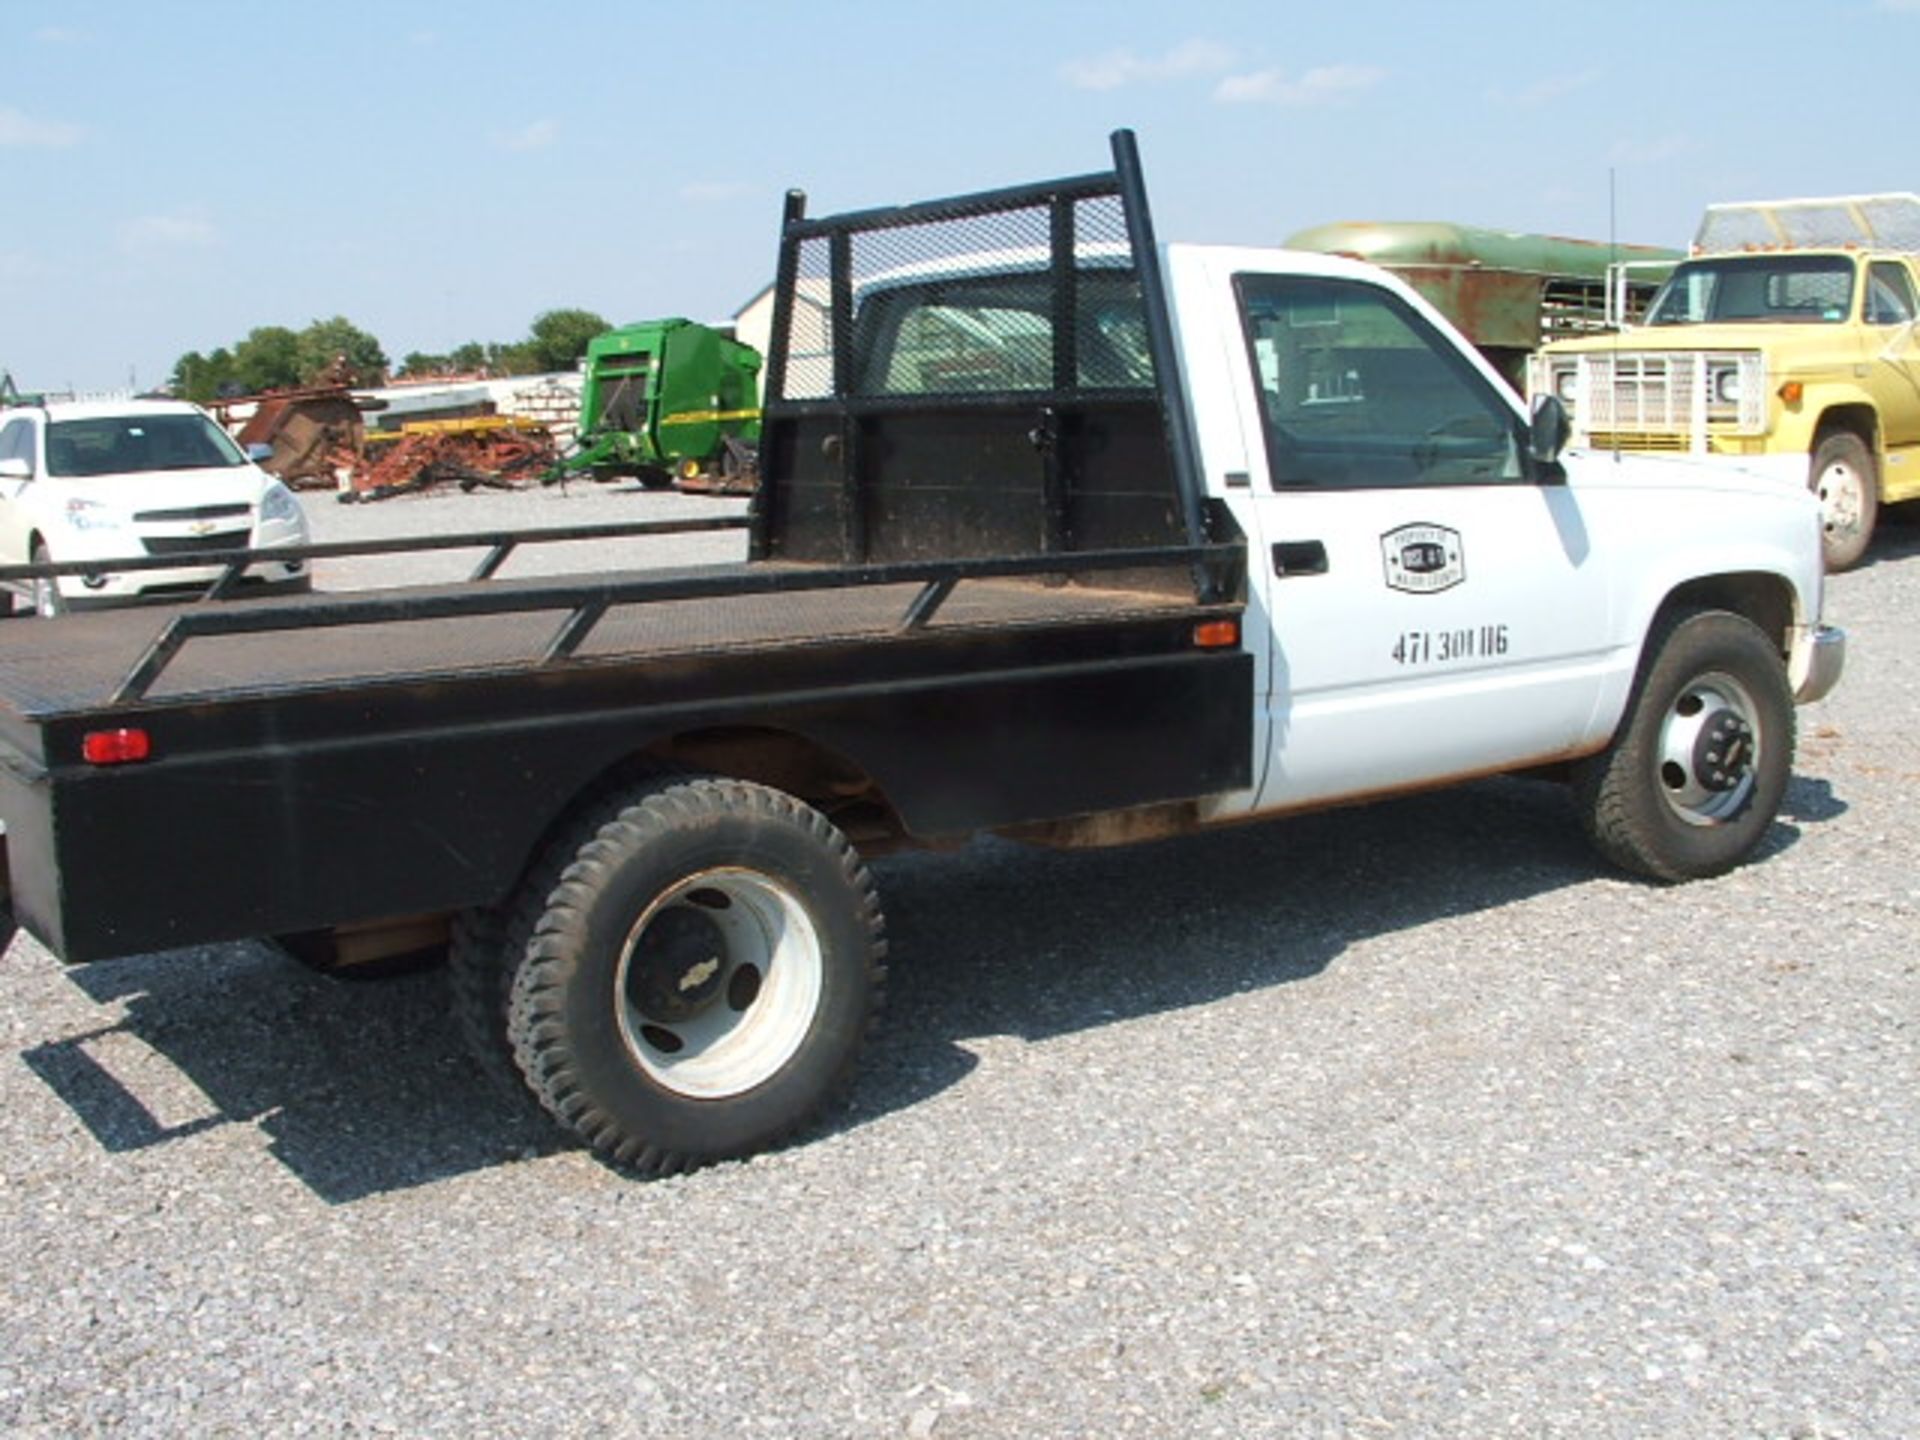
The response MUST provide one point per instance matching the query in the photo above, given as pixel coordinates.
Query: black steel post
(1166, 360)
(774, 377)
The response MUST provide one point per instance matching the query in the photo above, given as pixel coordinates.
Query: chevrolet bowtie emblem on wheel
(1423, 559)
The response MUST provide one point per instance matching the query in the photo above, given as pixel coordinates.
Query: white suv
(114, 480)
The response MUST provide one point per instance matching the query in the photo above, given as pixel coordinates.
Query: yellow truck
(1786, 344)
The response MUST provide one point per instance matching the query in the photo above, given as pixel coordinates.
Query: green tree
(417, 362)
(516, 359)
(470, 356)
(560, 337)
(325, 341)
(268, 359)
(200, 377)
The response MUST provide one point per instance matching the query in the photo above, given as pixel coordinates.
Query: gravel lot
(1400, 1121)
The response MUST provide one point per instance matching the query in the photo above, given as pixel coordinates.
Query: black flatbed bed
(74, 668)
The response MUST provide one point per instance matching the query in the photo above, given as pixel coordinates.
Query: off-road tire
(488, 943)
(479, 977)
(698, 984)
(1846, 479)
(1649, 800)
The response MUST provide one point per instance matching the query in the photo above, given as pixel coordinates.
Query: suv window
(1359, 391)
(16, 440)
(1889, 294)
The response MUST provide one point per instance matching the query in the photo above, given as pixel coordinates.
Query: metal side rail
(586, 602)
(499, 545)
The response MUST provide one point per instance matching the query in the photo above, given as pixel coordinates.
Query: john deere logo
(1423, 559)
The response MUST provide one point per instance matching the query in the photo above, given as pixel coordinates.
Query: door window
(1889, 295)
(1358, 391)
(16, 441)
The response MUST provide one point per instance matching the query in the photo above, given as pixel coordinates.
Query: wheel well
(1858, 419)
(1766, 600)
(778, 759)
(784, 760)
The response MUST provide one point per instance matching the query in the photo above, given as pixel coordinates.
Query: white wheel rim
(1842, 500)
(724, 989)
(1683, 773)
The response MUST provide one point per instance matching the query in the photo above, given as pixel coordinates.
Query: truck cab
(1440, 595)
(1784, 346)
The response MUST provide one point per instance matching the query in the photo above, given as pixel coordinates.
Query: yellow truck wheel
(1847, 482)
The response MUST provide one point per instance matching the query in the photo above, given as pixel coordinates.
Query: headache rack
(985, 374)
(1856, 222)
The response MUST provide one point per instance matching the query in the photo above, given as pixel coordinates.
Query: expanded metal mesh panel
(1735, 229)
(1644, 390)
(1888, 222)
(1818, 224)
(970, 302)
(1824, 291)
(1683, 393)
(810, 327)
(1894, 221)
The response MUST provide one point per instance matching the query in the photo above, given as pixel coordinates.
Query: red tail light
(116, 747)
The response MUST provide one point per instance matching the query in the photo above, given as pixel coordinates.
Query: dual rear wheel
(686, 976)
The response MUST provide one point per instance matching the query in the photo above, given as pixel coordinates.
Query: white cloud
(182, 230)
(1117, 68)
(1323, 85)
(1547, 89)
(1906, 7)
(537, 136)
(23, 132)
(59, 35)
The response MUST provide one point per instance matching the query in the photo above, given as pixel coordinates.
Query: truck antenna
(1613, 261)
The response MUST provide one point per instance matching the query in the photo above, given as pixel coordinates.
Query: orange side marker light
(1216, 634)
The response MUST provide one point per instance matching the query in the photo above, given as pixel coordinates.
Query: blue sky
(177, 173)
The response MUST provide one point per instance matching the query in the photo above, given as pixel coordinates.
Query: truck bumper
(1818, 659)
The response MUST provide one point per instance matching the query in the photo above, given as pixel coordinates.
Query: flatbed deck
(75, 666)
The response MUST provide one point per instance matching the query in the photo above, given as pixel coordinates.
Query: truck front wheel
(698, 983)
(1846, 480)
(1696, 773)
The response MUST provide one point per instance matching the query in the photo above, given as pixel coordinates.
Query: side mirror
(259, 453)
(14, 468)
(1548, 430)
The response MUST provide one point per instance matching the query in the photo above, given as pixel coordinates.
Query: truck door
(1436, 607)
(1893, 359)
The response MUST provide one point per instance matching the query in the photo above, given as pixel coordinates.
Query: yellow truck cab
(1785, 344)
